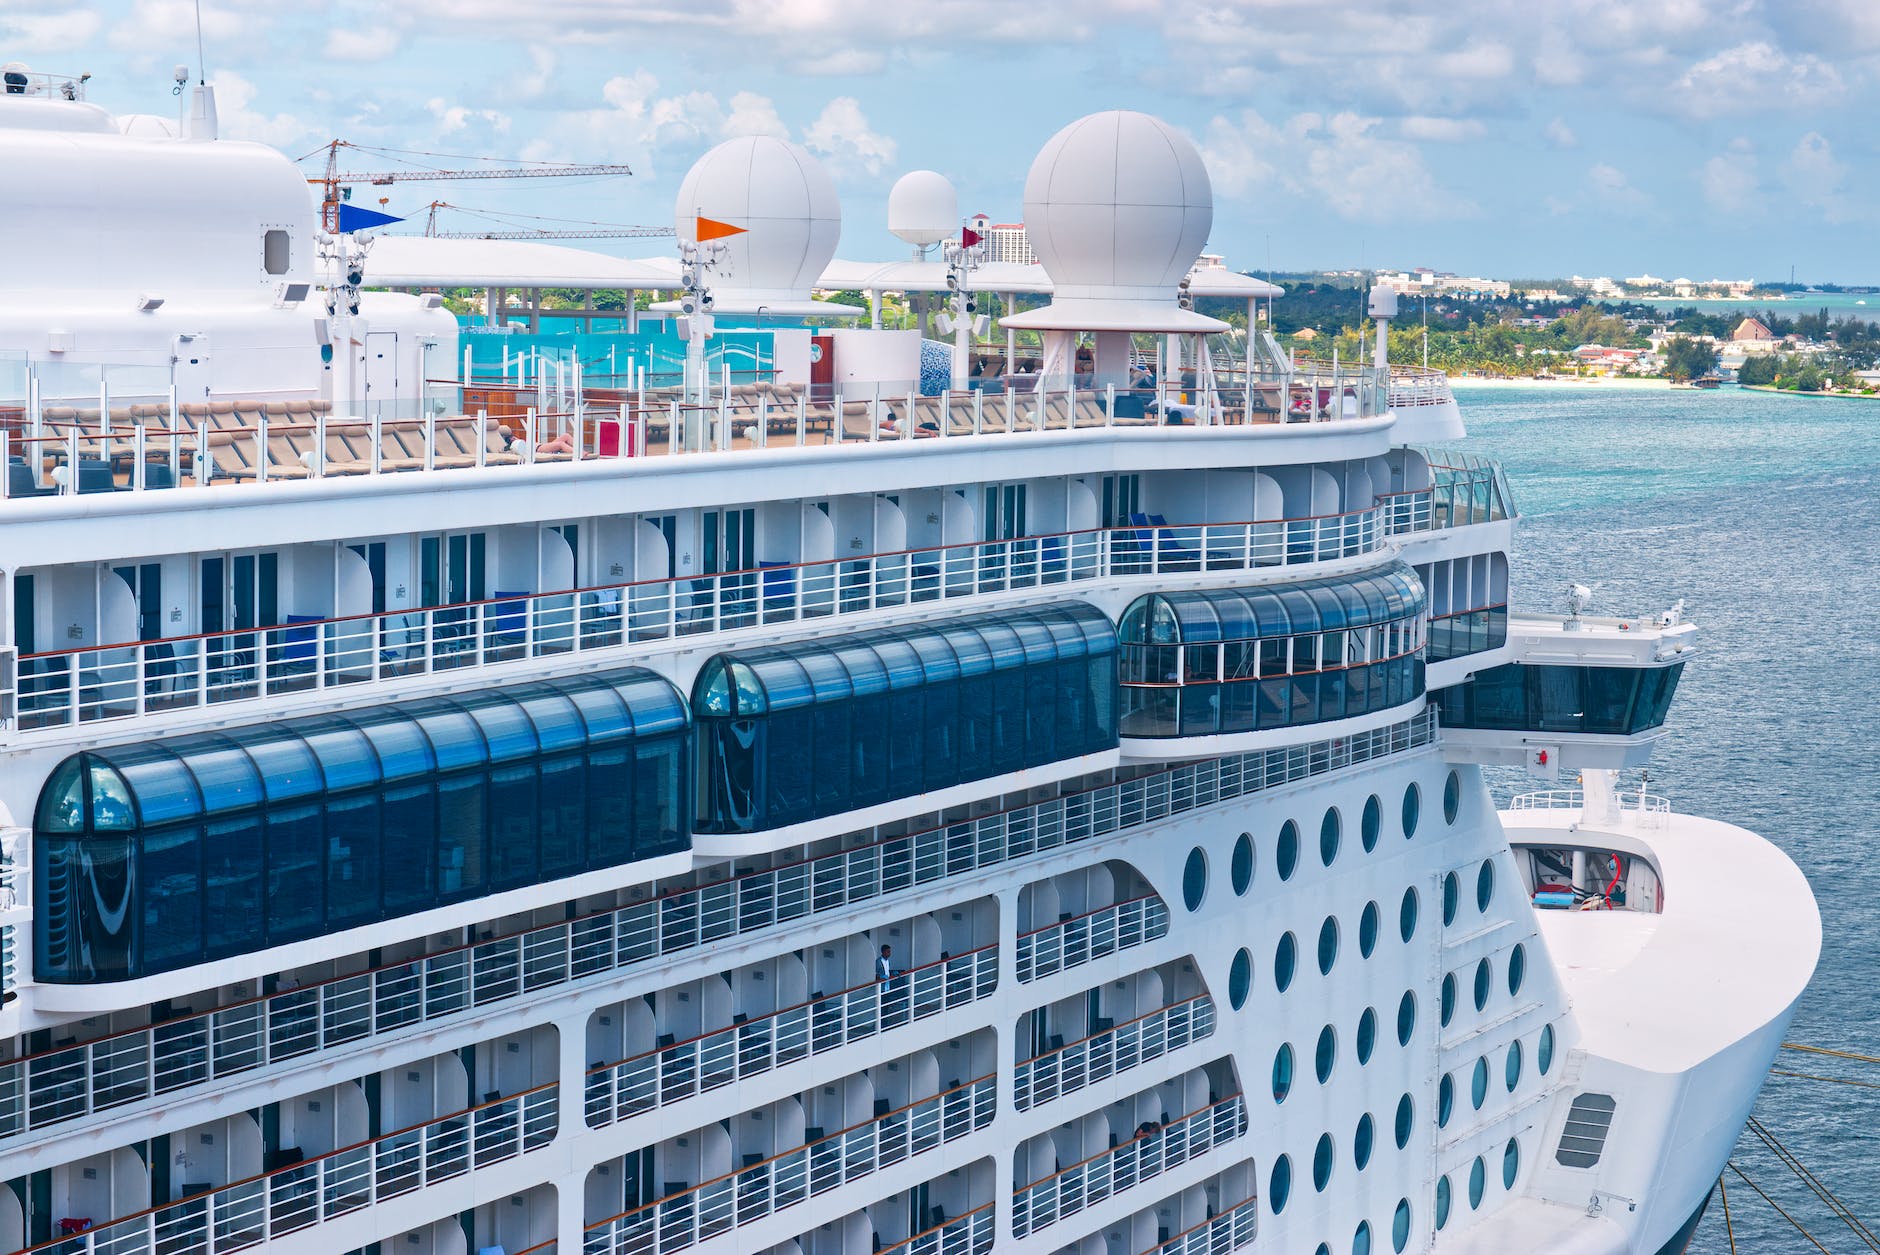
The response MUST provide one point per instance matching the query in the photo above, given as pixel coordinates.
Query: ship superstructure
(822, 815)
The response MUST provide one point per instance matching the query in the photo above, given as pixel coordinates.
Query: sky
(1683, 138)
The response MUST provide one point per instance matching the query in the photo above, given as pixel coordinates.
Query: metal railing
(1225, 1231)
(1649, 810)
(257, 1209)
(78, 1079)
(672, 1073)
(1143, 1157)
(1078, 939)
(699, 1213)
(1111, 1051)
(133, 679)
(968, 1234)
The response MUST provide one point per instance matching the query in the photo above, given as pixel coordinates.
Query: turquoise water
(1838, 304)
(1760, 512)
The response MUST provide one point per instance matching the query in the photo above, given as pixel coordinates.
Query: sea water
(1762, 513)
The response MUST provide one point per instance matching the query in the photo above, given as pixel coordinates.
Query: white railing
(1108, 930)
(1652, 809)
(258, 1209)
(969, 1234)
(1227, 1231)
(134, 679)
(699, 1213)
(77, 1079)
(1143, 1157)
(678, 1071)
(1111, 1052)
(1411, 386)
(13, 920)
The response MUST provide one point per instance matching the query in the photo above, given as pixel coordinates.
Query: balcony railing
(79, 1079)
(1078, 939)
(130, 680)
(1147, 1155)
(675, 1072)
(699, 1213)
(1111, 1051)
(1225, 1231)
(254, 1211)
(969, 1234)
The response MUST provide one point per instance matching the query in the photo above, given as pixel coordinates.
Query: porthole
(276, 248)
(1517, 969)
(1285, 959)
(1367, 930)
(1239, 978)
(1286, 850)
(1370, 823)
(1544, 1051)
(1362, 1140)
(1406, 1018)
(1407, 915)
(1328, 945)
(1279, 1184)
(1240, 868)
(1445, 1100)
(1406, 1120)
(1330, 829)
(1282, 1072)
(1442, 1201)
(1325, 1248)
(1400, 1226)
(1478, 1181)
(1484, 886)
(1448, 998)
(1484, 979)
(1367, 1036)
(1510, 1164)
(1195, 879)
(1325, 1054)
(1322, 1162)
(1478, 1083)
(1361, 1240)
(1512, 1070)
(1451, 890)
(1452, 797)
(1412, 808)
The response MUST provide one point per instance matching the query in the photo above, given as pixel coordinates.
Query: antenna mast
(202, 62)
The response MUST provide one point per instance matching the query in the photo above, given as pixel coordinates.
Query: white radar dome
(790, 216)
(923, 208)
(1118, 205)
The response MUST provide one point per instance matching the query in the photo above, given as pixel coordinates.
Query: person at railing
(884, 965)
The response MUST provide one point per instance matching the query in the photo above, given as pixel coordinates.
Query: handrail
(975, 1216)
(1151, 896)
(1114, 1028)
(1099, 1056)
(1230, 1214)
(1204, 1109)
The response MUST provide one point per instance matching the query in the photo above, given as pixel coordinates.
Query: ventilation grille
(1584, 1137)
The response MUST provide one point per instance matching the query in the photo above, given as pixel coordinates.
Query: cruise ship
(756, 780)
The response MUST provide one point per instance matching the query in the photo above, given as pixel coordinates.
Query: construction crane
(584, 231)
(332, 180)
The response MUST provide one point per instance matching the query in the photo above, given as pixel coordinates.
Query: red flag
(969, 237)
(711, 229)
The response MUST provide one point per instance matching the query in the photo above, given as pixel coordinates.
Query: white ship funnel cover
(1117, 207)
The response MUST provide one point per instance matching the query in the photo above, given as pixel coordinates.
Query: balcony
(1142, 1158)
(669, 1074)
(700, 1213)
(259, 1209)
(1228, 1231)
(970, 1234)
(77, 1080)
(62, 688)
(1080, 939)
(1111, 1051)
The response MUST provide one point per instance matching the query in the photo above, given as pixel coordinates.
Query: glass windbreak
(1610, 701)
(159, 856)
(1202, 663)
(794, 733)
(1466, 488)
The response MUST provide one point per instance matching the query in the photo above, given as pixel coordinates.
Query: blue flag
(353, 218)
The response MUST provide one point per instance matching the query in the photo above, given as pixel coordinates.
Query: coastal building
(1004, 241)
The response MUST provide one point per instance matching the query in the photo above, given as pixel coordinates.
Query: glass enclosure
(160, 854)
(1523, 697)
(1198, 663)
(1466, 488)
(797, 732)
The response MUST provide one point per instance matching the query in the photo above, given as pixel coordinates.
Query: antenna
(202, 65)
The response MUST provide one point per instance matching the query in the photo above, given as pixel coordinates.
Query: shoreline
(1464, 381)
(1827, 396)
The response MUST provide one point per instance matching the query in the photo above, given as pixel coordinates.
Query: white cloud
(26, 33)
(1730, 180)
(165, 30)
(1560, 135)
(237, 120)
(1340, 163)
(1816, 178)
(354, 45)
(1755, 77)
(841, 133)
(752, 114)
(454, 119)
(1441, 130)
(1613, 189)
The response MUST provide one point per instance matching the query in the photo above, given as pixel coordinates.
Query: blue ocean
(1760, 511)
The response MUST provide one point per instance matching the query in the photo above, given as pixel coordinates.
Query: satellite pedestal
(1383, 309)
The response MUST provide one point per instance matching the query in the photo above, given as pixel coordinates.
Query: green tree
(1687, 359)
(1760, 369)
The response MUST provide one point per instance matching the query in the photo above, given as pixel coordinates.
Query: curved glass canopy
(1549, 697)
(159, 854)
(1203, 662)
(797, 732)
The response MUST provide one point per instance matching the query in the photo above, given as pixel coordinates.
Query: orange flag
(711, 229)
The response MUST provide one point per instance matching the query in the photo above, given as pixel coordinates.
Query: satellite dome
(1117, 208)
(923, 208)
(791, 218)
